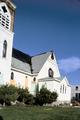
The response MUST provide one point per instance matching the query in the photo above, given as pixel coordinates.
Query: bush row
(9, 94)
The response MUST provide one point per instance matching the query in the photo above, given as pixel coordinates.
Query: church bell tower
(7, 14)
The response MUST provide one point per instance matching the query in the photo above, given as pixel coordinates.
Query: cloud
(70, 64)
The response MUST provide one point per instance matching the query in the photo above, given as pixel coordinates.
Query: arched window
(52, 56)
(61, 89)
(50, 72)
(34, 79)
(4, 48)
(65, 89)
(76, 87)
(12, 75)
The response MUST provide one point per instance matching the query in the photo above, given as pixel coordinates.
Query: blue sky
(43, 25)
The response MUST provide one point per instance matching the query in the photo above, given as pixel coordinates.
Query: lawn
(39, 113)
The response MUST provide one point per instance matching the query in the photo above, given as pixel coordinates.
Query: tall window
(61, 89)
(76, 87)
(50, 72)
(4, 48)
(12, 75)
(52, 56)
(34, 79)
(77, 96)
(65, 89)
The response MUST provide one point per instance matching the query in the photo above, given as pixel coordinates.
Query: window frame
(12, 75)
(4, 49)
(50, 73)
(76, 88)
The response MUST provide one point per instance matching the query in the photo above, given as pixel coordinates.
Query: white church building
(25, 71)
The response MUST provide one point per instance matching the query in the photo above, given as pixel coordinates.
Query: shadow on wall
(1, 118)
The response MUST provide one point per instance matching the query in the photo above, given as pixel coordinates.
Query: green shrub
(45, 96)
(8, 94)
(39, 99)
(22, 93)
(29, 99)
(53, 97)
(25, 97)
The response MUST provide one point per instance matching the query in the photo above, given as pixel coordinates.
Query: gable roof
(27, 63)
(38, 61)
(65, 78)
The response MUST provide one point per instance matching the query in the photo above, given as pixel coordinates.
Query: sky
(44, 25)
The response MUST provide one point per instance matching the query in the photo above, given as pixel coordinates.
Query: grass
(39, 113)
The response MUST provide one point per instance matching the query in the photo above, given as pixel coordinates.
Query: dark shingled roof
(21, 61)
(21, 56)
(27, 63)
(38, 61)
